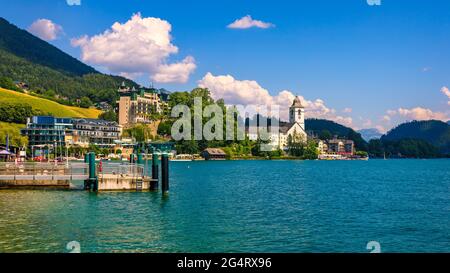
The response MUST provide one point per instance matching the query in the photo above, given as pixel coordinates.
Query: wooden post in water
(155, 177)
(165, 173)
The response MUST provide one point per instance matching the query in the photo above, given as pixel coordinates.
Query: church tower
(297, 113)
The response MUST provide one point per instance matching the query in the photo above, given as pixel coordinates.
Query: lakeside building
(343, 147)
(137, 105)
(214, 154)
(98, 132)
(48, 130)
(294, 130)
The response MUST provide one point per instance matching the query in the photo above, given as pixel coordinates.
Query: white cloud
(45, 29)
(176, 72)
(347, 110)
(141, 45)
(420, 113)
(73, 2)
(246, 92)
(391, 112)
(248, 22)
(446, 92)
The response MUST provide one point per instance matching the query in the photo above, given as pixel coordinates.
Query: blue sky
(386, 63)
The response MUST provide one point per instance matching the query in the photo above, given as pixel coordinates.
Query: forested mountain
(434, 132)
(26, 58)
(24, 45)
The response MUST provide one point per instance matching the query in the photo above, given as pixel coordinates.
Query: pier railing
(43, 171)
(123, 169)
(63, 171)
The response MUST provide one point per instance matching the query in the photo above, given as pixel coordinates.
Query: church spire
(297, 112)
(297, 102)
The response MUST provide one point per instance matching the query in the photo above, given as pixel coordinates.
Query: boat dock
(95, 176)
(39, 175)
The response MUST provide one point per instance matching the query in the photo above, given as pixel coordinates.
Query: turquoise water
(246, 206)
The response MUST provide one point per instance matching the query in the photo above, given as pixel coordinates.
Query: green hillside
(13, 130)
(26, 58)
(434, 132)
(28, 105)
(46, 106)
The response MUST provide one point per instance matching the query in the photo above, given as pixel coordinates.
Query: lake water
(246, 206)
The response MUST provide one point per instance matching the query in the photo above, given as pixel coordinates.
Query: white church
(294, 129)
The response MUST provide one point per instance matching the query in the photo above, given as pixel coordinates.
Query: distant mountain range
(26, 58)
(369, 134)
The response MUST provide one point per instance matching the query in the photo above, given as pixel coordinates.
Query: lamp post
(55, 148)
(67, 155)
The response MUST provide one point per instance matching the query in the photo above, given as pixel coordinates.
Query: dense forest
(48, 70)
(416, 139)
(435, 132)
(24, 45)
(17, 113)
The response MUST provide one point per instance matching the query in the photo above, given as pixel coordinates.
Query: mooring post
(165, 173)
(86, 160)
(140, 159)
(93, 181)
(155, 177)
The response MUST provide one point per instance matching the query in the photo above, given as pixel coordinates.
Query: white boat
(182, 158)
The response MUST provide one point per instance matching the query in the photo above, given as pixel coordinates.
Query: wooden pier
(97, 176)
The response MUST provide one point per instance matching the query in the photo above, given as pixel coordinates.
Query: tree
(17, 113)
(140, 132)
(49, 93)
(325, 135)
(362, 153)
(187, 147)
(165, 128)
(296, 145)
(85, 102)
(404, 148)
(311, 152)
(376, 148)
(108, 116)
(257, 151)
(7, 83)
